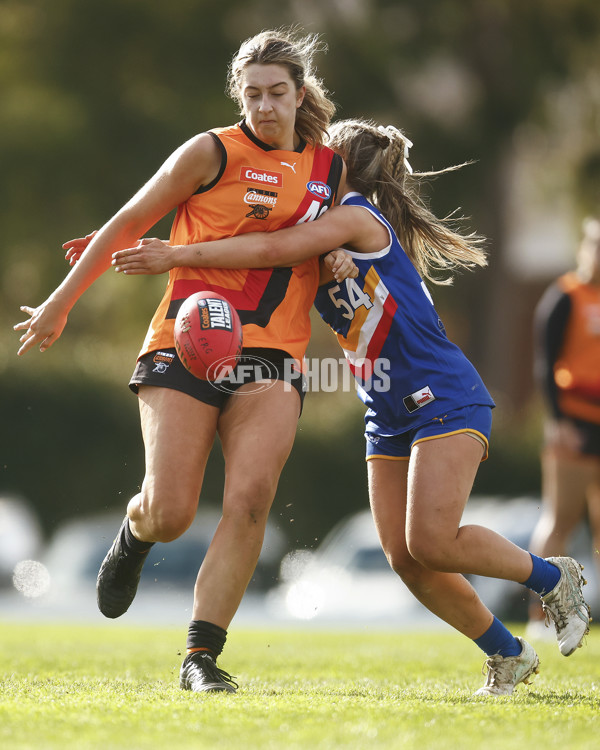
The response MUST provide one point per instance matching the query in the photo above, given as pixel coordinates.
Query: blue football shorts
(475, 421)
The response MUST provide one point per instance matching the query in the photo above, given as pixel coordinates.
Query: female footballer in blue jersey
(428, 415)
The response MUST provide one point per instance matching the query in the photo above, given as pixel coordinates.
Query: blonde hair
(288, 48)
(378, 168)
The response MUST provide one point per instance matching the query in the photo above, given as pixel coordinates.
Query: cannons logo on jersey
(162, 361)
(260, 202)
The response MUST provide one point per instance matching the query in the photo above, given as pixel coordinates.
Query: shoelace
(497, 667)
(557, 615)
(216, 673)
(557, 611)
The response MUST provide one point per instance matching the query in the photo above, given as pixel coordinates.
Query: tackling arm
(348, 226)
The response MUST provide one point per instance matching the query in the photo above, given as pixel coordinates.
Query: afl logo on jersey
(320, 189)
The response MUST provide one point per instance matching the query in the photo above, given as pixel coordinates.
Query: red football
(208, 335)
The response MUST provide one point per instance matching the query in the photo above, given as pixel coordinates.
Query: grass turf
(116, 687)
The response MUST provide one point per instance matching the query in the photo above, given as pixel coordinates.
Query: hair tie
(405, 141)
(407, 145)
(385, 140)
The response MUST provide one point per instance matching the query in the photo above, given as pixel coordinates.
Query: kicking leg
(178, 432)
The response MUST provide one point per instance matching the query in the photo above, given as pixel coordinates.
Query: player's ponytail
(378, 167)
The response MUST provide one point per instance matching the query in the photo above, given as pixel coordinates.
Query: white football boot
(565, 606)
(505, 672)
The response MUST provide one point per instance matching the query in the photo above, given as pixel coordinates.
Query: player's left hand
(44, 325)
(341, 265)
(149, 256)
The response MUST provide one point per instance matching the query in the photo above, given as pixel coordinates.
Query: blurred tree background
(95, 95)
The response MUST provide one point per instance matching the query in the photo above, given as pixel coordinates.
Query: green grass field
(114, 687)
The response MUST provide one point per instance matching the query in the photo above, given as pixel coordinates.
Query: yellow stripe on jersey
(366, 321)
(351, 342)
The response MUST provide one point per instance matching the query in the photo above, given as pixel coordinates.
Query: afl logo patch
(320, 189)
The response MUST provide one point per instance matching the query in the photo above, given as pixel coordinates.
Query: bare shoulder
(357, 216)
(198, 160)
(203, 144)
(366, 233)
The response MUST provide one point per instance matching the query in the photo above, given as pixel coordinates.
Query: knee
(247, 516)
(429, 553)
(249, 504)
(402, 563)
(166, 527)
(161, 519)
(415, 576)
(552, 529)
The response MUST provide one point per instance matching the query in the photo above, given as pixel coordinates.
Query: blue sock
(544, 576)
(498, 640)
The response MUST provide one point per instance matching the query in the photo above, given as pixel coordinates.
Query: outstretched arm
(192, 165)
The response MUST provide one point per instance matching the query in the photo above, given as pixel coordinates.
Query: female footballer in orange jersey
(267, 172)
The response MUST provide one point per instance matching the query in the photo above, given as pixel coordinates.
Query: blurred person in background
(567, 370)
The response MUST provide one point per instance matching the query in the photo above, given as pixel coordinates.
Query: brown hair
(288, 48)
(378, 168)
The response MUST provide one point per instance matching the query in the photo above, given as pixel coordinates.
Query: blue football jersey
(407, 370)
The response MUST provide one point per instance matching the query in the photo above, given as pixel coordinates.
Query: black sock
(132, 543)
(204, 636)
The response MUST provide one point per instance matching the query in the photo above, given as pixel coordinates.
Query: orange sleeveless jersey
(258, 189)
(577, 369)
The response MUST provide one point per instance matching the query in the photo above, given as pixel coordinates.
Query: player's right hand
(341, 265)
(76, 247)
(149, 256)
